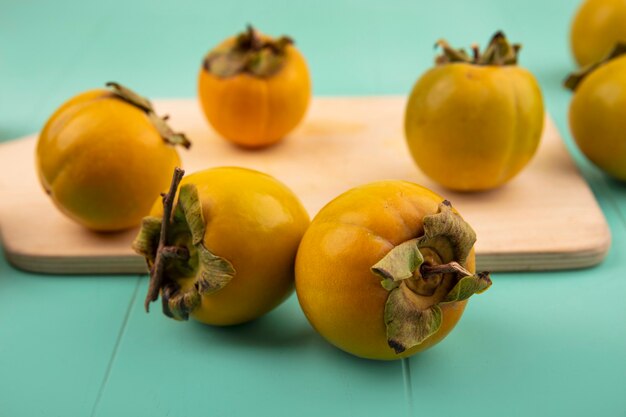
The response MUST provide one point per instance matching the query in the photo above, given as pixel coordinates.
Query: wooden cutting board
(546, 218)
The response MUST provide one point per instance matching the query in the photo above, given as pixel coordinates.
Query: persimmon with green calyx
(473, 122)
(254, 89)
(596, 28)
(105, 155)
(385, 270)
(597, 112)
(222, 249)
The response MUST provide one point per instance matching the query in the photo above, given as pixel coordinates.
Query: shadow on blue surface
(284, 329)
(268, 332)
(617, 186)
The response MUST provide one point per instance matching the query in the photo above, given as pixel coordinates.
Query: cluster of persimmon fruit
(385, 269)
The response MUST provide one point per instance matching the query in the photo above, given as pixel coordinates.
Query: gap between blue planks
(116, 346)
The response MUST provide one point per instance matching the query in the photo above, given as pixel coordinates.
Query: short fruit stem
(175, 252)
(431, 277)
(159, 123)
(163, 251)
(451, 267)
(574, 79)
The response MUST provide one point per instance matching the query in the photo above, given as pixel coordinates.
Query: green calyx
(182, 268)
(498, 52)
(574, 79)
(160, 123)
(423, 274)
(250, 54)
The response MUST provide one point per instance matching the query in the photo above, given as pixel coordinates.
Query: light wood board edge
(128, 265)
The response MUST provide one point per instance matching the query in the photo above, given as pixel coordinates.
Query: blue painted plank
(274, 366)
(57, 335)
(534, 345)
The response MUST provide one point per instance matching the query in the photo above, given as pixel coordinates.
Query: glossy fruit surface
(596, 28)
(473, 126)
(338, 269)
(241, 229)
(254, 89)
(597, 117)
(102, 161)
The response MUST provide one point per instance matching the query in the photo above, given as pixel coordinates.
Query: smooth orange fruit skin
(340, 296)
(473, 128)
(255, 222)
(102, 162)
(255, 112)
(597, 117)
(597, 26)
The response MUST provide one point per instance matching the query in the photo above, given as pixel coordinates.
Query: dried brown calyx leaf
(182, 268)
(498, 52)
(424, 273)
(249, 54)
(160, 123)
(575, 78)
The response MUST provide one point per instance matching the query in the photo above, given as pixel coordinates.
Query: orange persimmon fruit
(254, 89)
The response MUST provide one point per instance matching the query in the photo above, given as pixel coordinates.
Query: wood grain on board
(546, 218)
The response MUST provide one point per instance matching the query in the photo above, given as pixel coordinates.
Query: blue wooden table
(537, 344)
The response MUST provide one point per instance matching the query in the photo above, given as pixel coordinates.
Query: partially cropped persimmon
(597, 113)
(254, 89)
(385, 270)
(596, 28)
(104, 156)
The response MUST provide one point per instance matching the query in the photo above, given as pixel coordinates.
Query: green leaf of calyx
(250, 54)
(147, 241)
(159, 123)
(214, 272)
(468, 286)
(226, 64)
(178, 304)
(499, 52)
(166, 132)
(189, 204)
(265, 62)
(407, 325)
(448, 235)
(398, 264)
(130, 96)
